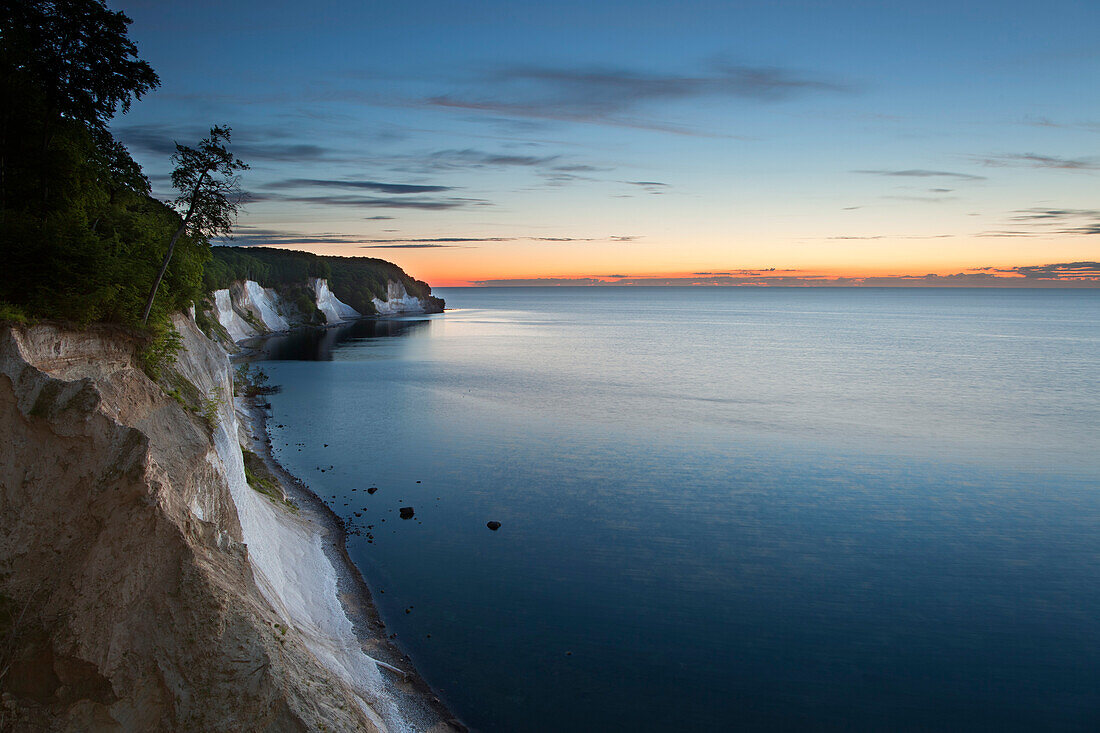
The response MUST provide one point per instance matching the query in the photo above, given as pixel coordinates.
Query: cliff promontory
(143, 584)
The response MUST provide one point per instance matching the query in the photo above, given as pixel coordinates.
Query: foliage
(209, 407)
(261, 480)
(82, 238)
(12, 314)
(209, 325)
(251, 383)
(160, 351)
(209, 187)
(210, 194)
(77, 55)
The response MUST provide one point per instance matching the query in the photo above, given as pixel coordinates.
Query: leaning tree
(210, 194)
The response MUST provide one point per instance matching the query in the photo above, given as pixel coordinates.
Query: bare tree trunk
(171, 248)
(160, 275)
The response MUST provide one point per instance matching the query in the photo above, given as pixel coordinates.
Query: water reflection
(318, 344)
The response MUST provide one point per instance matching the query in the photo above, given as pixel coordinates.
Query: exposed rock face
(263, 304)
(230, 319)
(137, 590)
(399, 301)
(248, 309)
(334, 309)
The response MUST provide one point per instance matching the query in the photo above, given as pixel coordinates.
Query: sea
(750, 509)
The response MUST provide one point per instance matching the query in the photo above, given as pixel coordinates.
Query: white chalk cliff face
(232, 321)
(163, 592)
(263, 303)
(248, 309)
(397, 301)
(334, 309)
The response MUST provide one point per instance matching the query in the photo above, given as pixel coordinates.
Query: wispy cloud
(368, 202)
(894, 236)
(613, 96)
(413, 245)
(443, 241)
(922, 173)
(250, 144)
(1047, 222)
(654, 187)
(922, 199)
(473, 158)
(1034, 160)
(395, 188)
(250, 236)
(1047, 122)
(1086, 271)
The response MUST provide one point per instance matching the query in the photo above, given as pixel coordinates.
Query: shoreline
(415, 698)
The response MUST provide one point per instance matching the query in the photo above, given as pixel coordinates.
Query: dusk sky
(651, 142)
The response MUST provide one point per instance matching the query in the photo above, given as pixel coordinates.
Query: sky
(643, 142)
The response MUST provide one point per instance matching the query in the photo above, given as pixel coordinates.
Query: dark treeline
(81, 237)
(354, 280)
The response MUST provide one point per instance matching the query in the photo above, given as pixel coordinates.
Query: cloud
(1033, 160)
(371, 201)
(922, 173)
(610, 95)
(1088, 271)
(249, 144)
(580, 168)
(433, 241)
(654, 187)
(249, 236)
(539, 281)
(924, 199)
(396, 188)
(424, 245)
(894, 236)
(1055, 214)
(1047, 122)
(1047, 222)
(471, 158)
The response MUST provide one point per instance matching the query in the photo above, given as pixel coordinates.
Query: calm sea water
(723, 509)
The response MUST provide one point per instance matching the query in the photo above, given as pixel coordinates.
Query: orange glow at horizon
(442, 268)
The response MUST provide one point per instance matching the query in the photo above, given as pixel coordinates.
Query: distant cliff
(258, 290)
(361, 282)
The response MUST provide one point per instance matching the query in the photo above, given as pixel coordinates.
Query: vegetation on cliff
(82, 237)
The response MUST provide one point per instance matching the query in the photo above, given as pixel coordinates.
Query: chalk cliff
(247, 309)
(143, 584)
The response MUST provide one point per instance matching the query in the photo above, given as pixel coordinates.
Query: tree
(78, 53)
(65, 66)
(210, 195)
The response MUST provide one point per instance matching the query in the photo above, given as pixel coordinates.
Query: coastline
(418, 702)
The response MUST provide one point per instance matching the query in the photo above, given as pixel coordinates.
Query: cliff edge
(143, 584)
